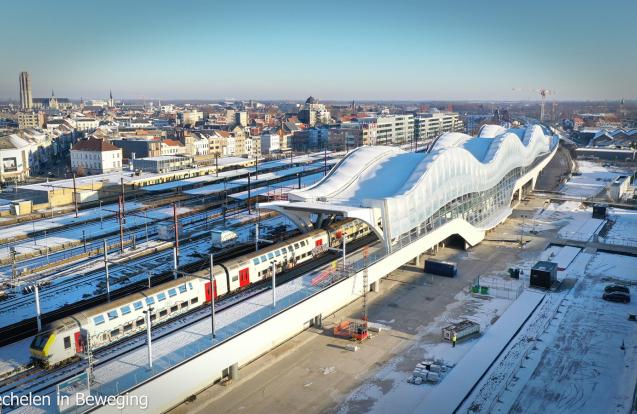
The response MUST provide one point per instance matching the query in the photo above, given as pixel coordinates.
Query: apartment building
(393, 129)
(429, 125)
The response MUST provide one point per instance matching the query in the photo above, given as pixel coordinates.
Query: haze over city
(372, 50)
(352, 207)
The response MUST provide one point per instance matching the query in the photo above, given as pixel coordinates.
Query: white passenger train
(62, 340)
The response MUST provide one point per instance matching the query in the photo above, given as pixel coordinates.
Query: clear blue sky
(330, 49)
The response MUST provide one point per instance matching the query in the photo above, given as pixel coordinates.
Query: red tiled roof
(172, 142)
(94, 144)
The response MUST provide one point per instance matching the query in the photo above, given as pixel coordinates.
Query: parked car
(617, 288)
(616, 297)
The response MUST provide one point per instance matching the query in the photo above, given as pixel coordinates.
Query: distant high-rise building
(241, 118)
(111, 102)
(26, 101)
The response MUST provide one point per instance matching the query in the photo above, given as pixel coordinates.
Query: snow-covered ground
(578, 364)
(622, 229)
(592, 180)
(78, 233)
(404, 397)
(88, 279)
(57, 221)
(14, 356)
(562, 255)
(574, 220)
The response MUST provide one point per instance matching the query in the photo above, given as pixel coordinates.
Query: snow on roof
(412, 186)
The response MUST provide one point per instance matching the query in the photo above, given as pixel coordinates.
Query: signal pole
(75, 195)
(120, 216)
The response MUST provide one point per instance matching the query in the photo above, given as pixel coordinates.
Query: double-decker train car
(62, 340)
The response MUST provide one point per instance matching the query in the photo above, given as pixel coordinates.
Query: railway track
(189, 227)
(27, 327)
(38, 379)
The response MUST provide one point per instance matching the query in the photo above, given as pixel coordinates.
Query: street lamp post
(146, 224)
(108, 284)
(38, 313)
(46, 246)
(274, 283)
(344, 249)
(149, 336)
(212, 294)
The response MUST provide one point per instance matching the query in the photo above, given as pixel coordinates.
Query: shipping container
(543, 274)
(599, 211)
(436, 267)
(462, 329)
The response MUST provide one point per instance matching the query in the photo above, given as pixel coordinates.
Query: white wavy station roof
(406, 188)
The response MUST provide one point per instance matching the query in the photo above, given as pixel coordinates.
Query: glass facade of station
(476, 208)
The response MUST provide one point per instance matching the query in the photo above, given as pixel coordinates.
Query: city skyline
(406, 51)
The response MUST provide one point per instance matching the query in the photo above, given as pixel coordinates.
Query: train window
(277, 253)
(296, 245)
(67, 342)
(184, 304)
(98, 320)
(190, 285)
(270, 255)
(174, 309)
(137, 305)
(284, 249)
(163, 313)
(112, 314)
(194, 300)
(114, 332)
(125, 310)
(128, 327)
(150, 300)
(255, 261)
(140, 322)
(264, 258)
(182, 288)
(302, 242)
(153, 317)
(161, 296)
(172, 292)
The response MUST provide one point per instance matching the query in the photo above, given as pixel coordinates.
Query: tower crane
(543, 94)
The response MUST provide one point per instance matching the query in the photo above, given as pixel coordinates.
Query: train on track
(64, 340)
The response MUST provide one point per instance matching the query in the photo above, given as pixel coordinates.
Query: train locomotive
(64, 340)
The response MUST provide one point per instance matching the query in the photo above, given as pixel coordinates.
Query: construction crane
(543, 93)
